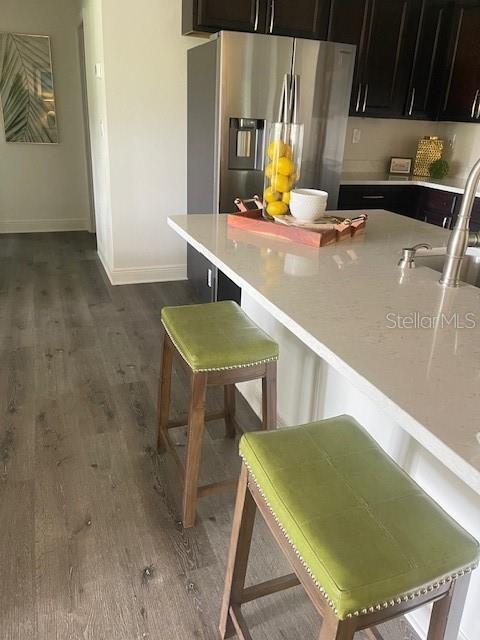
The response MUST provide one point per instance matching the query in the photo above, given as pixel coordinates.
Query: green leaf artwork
(26, 89)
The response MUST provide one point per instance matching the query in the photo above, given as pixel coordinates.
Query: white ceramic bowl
(308, 204)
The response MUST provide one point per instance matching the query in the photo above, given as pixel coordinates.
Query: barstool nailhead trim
(238, 366)
(374, 607)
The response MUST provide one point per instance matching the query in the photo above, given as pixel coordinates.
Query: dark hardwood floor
(91, 547)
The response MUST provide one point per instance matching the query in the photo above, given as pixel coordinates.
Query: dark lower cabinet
(428, 205)
(302, 18)
(475, 218)
(437, 207)
(215, 15)
(399, 199)
(200, 273)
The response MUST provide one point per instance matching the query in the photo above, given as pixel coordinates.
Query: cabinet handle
(373, 197)
(412, 102)
(257, 11)
(357, 106)
(478, 106)
(475, 103)
(272, 16)
(365, 99)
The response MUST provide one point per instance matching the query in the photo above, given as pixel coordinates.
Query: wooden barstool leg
(196, 425)
(164, 389)
(229, 395)
(447, 612)
(334, 629)
(240, 541)
(269, 396)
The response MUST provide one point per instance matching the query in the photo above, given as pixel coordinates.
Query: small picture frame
(401, 165)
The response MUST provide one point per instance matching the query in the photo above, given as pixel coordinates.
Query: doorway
(86, 119)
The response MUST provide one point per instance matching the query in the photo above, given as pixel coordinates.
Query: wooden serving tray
(313, 237)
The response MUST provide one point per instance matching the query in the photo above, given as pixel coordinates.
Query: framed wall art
(26, 89)
(401, 166)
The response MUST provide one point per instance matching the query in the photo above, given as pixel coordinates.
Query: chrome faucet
(461, 237)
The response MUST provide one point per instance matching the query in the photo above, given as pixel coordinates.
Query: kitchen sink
(470, 272)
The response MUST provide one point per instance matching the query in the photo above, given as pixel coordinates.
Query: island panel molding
(383, 362)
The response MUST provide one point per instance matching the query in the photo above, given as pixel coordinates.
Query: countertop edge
(453, 461)
(414, 182)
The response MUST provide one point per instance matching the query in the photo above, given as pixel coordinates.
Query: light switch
(98, 70)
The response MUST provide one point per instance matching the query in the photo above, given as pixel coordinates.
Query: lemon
(277, 208)
(285, 166)
(275, 149)
(269, 170)
(280, 183)
(286, 197)
(270, 195)
(288, 152)
(292, 180)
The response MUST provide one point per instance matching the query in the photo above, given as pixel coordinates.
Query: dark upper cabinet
(415, 58)
(349, 24)
(302, 18)
(215, 15)
(423, 96)
(385, 32)
(462, 82)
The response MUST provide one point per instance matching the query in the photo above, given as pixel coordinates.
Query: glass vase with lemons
(283, 159)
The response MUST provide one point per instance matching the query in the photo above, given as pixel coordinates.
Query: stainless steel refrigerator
(235, 85)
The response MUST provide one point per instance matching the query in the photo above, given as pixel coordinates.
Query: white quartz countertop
(346, 302)
(453, 185)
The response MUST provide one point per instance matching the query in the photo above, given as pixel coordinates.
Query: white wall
(140, 177)
(97, 112)
(44, 187)
(381, 139)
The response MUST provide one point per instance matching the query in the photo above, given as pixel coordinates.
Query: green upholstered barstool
(217, 345)
(361, 536)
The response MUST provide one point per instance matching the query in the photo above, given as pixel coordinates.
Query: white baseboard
(143, 275)
(43, 226)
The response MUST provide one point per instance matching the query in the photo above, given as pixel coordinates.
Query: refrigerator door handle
(283, 112)
(272, 16)
(295, 98)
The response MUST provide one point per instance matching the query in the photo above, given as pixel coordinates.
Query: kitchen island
(359, 336)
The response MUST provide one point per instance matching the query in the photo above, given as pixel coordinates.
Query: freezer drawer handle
(373, 197)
